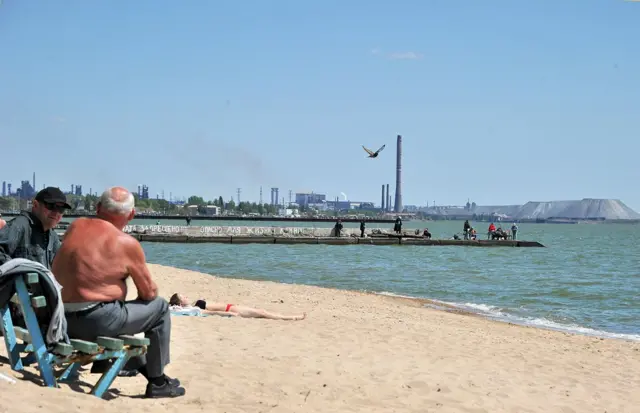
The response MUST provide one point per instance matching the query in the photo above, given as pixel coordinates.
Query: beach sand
(356, 352)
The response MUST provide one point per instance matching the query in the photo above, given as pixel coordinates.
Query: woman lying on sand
(179, 300)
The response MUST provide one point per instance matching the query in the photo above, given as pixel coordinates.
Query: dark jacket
(24, 237)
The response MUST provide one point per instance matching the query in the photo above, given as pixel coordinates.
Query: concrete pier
(222, 231)
(243, 239)
(296, 235)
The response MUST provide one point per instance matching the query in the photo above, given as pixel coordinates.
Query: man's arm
(137, 268)
(10, 238)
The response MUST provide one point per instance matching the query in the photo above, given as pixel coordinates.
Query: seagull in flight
(373, 154)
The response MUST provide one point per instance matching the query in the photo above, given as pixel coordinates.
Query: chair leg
(13, 350)
(39, 347)
(107, 378)
(70, 373)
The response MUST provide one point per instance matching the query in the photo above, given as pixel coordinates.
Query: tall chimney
(34, 181)
(398, 203)
(388, 200)
(382, 204)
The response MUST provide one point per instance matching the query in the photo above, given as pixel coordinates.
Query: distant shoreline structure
(589, 210)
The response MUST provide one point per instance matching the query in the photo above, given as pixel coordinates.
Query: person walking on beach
(92, 266)
(179, 301)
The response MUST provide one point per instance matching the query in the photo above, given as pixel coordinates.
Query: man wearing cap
(30, 235)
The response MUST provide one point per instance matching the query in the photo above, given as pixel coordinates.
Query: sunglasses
(54, 207)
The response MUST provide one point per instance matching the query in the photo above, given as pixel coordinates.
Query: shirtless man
(92, 266)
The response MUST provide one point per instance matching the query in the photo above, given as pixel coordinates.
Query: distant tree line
(87, 203)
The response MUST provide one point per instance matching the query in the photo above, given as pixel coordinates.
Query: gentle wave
(500, 314)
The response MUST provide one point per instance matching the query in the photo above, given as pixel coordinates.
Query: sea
(586, 280)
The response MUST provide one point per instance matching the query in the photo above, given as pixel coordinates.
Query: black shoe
(172, 382)
(165, 390)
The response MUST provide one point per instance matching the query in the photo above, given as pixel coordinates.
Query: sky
(499, 102)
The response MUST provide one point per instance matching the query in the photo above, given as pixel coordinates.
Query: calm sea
(587, 280)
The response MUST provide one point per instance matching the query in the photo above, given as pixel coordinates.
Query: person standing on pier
(338, 228)
(362, 227)
(466, 229)
(397, 227)
(514, 230)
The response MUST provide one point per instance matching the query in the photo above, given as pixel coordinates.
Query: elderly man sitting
(92, 265)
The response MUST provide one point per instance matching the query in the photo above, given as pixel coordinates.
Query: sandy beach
(355, 352)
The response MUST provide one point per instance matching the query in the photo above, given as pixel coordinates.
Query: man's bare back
(95, 260)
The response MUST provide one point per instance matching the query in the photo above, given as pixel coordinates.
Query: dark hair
(175, 299)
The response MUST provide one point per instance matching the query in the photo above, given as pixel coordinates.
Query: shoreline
(356, 351)
(466, 309)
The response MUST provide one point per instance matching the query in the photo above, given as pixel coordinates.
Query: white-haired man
(92, 265)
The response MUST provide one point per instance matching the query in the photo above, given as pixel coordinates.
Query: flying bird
(373, 154)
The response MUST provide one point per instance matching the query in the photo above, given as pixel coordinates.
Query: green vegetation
(87, 203)
(8, 204)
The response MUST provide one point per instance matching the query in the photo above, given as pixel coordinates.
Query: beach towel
(190, 311)
(186, 311)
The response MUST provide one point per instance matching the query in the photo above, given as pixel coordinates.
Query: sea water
(586, 280)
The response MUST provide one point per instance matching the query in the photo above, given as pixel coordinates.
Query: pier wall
(295, 235)
(330, 240)
(222, 231)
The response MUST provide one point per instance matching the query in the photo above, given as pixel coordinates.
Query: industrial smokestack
(382, 204)
(398, 203)
(388, 206)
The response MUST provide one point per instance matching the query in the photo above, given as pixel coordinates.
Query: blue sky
(497, 101)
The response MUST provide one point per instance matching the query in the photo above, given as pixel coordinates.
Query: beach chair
(66, 357)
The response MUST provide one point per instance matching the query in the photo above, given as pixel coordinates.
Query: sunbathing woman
(182, 301)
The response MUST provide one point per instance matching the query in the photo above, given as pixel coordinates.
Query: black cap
(52, 195)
